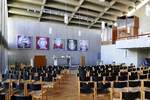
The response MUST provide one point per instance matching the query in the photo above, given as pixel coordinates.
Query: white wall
(144, 21)
(32, 28)
(141, 42)
(109, 53)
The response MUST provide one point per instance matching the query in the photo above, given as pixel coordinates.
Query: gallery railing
(135, 37)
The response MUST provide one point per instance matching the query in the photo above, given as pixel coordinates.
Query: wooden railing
(106, 42)
(134, 37)
(125, 38)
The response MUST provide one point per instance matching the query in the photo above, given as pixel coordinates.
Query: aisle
(67, 90)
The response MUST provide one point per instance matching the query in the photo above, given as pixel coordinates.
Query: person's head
(113, 62)
(131, 64)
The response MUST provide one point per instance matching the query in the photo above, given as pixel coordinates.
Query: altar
(62, 60)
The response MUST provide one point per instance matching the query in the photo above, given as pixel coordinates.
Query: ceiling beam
(53, 18)
(68, 2)
(127, 2)
(26, 6)
(76, 9)
(107, 4)
(116, 13)
(93, 7)
(87, 12)
(36, 2)
(80, 23)
(97, 24)
(23, 16)
(123, 9)
(42, 8)
(112, 18)
(23, 13)
(101, 14)
(60, 6)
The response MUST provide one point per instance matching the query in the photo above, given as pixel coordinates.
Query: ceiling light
(103, 25)
(115, 24)
(50, 30)
(66, 19)
(79, 33)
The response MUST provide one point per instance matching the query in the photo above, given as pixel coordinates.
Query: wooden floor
(66, 89)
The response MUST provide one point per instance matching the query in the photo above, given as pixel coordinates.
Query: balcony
(139, 41)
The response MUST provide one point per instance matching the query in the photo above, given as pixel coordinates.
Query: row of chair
(35, 85)
(92, 80)
(111, 68)
(112, 88)
(114, 76)
(49, 73)
(3, 97)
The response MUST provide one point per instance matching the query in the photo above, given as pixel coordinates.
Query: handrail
(126, 37)
(137, 36)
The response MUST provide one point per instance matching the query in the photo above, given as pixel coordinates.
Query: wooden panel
(136, 22)
(122, 32)
(130, 29)
(106, 42)
(114, 35)
(40, 61)
(82, 60)
(134, 31)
